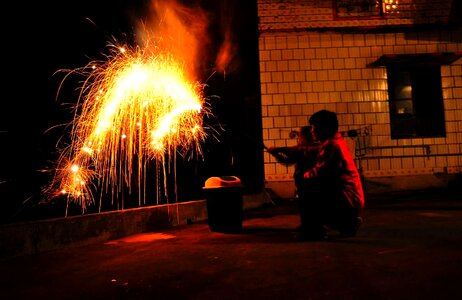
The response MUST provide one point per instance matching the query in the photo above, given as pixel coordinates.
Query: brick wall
(303, 14)
(302, 72)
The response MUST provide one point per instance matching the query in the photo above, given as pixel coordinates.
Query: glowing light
(142, 238)
(139, 104)
(139, 97)
(390, 6)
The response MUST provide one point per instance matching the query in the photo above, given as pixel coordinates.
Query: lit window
(415, 93)
(415, 101)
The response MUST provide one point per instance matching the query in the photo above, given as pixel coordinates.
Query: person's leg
(344, 219)
(351, 226)
(311, 225)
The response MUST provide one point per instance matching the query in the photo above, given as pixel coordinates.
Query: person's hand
(271, 149)
(309, 174)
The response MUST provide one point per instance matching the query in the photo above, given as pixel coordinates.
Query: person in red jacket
(336, 194)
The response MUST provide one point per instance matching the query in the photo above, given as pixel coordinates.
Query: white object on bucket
(222, 181)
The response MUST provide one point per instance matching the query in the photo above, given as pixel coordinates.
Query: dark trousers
(322, 205)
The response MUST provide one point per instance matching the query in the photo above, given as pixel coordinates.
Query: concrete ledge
(40, 236)
(35, 237)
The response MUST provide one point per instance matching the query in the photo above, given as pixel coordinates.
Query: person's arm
(285, 155)
(329, 162)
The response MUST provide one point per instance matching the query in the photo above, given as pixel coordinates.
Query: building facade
(390, 69)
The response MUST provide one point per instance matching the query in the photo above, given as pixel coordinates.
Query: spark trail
(139, 105)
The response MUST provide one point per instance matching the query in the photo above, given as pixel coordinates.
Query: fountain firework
(140, 104)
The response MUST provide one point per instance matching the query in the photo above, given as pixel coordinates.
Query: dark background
(42, 37)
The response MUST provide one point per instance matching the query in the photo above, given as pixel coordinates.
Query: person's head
(304, 135)
(324, 125)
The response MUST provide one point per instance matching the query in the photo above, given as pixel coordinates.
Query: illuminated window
(415, 92)
(390, 6)
(415, 101)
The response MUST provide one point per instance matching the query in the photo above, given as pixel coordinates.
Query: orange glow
(142, 103)
(142, 238)
(225, 54)
(390, 6)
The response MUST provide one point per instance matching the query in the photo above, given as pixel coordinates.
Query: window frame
(412, 113)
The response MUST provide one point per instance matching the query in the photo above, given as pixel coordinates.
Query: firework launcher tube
(224, 199)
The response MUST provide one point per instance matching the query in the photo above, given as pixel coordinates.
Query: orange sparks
(139, 105)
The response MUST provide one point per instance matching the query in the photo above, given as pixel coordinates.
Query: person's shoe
(353, 229)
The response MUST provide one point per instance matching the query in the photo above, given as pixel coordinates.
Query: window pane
(415, 101)
(403, 92)
(402, 108)
(428, 101)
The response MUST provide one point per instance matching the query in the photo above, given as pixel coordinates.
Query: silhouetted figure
(303, 156)
(336, 197)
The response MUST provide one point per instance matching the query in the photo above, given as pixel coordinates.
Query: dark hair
(325, 122)
(305, 132)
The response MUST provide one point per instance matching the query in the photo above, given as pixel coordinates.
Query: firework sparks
(139, 105)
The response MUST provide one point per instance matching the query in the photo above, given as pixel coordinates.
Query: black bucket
(224, 199)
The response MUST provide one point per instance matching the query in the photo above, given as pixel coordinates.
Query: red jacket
(336, 170)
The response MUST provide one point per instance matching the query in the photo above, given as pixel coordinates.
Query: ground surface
(408, 248)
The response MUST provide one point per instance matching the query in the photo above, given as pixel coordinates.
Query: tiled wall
(303, 14)
(305, 71)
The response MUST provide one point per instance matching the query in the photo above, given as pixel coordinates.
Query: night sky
(40, 38)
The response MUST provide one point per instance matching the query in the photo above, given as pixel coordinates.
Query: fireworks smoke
(143, 103)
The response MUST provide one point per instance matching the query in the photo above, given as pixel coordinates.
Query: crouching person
(303, 156)
(336, 195)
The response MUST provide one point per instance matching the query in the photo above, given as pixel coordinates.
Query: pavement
(409, 247)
